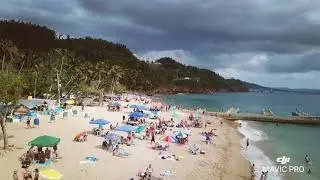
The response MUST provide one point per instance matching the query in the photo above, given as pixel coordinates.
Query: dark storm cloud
(218, 33)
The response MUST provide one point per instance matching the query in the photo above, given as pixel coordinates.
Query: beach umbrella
(181, 134)
(143, 107)
(70, 102)
(50, 173)
(100, 122)
(113, 137)
(169, 139)
(45, 141)
(136, 115)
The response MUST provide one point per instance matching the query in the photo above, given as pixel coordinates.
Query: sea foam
(253, 153)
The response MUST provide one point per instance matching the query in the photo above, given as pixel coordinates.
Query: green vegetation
(94, 66)
(35, 61)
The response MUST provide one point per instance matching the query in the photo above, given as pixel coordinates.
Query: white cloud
(179, 55)
(292, 80)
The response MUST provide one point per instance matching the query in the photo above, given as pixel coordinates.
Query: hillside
(39, 53)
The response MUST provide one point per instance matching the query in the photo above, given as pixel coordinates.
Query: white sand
(222, 160)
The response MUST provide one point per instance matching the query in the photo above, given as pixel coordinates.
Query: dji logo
(283, 160)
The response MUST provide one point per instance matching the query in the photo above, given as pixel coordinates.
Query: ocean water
(269, 141)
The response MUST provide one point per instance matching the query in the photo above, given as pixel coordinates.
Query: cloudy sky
(274, 43)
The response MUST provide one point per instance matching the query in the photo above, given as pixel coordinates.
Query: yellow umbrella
(50, 173)
(70, 102)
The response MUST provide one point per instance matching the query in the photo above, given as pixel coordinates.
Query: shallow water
(267, 140)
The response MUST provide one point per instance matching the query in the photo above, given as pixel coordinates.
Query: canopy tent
(140, 128)
(127, 128)
(169, 139)
(50, 173)
(100, 122)
(36, 102)
(136, 115)
(45, 141)
(180, 134)
(21, 109)
(114, 103)
(134, 106)
(113, 137)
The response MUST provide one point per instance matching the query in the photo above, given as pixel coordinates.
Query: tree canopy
(40, 55)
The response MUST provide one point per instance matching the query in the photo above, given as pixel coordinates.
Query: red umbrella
(169, 139)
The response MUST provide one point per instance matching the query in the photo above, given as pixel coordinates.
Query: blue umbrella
(113, 137)
(143, 107)
(134, 106)
(100, 122)
(136, 115)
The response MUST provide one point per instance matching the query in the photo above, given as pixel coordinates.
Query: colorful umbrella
(45, 141)
(180, 134)
(70, 102)
(169, 139)
(100, 122)
(50, 173)
(113, 137)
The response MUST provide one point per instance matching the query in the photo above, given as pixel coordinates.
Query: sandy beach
(222, 160)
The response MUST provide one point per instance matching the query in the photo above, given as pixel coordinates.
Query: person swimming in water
(307, 159)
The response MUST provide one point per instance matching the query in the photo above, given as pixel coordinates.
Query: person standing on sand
(28, 122)
(15, 175)
(36, 174)
(152, 137)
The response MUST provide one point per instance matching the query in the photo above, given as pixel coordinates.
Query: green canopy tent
(45, 141)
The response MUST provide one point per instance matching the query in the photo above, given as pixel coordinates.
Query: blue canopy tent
(127, 128)
(100, 122)
(143, 107)
(136, 115)
(115, 103)
(113, 137)
(134, 106)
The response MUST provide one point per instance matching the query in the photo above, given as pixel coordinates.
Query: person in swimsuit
(152, 138)
(148, 172)
(28, 123)
(15, 175)
(36, 174)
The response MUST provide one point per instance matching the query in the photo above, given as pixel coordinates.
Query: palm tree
(116, 73)
(9, 51)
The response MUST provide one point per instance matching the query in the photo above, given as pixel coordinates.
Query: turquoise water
(269, 141)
